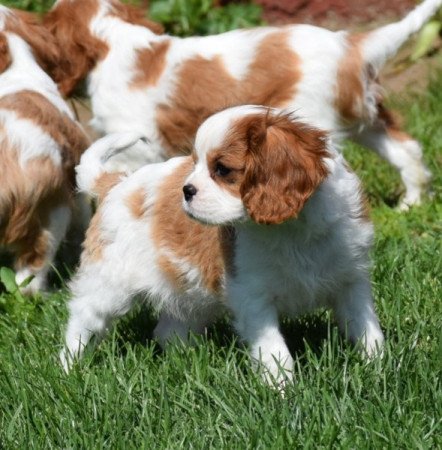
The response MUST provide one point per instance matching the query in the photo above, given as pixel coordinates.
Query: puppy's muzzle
(189, 191)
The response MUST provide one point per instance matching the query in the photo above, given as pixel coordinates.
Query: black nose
(189, 191)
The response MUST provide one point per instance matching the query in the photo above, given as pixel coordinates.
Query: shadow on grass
(310, 331)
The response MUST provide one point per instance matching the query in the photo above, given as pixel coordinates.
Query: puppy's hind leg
(356, 317)
(36, 254)
(95, 303)
(402, 152)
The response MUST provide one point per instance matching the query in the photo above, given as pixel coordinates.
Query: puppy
(40, 143)
(288, 234)
(164, 87)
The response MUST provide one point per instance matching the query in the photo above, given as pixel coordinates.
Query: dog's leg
(356, 317)
(257, 323)
(402, 152)
(95, 303)
(35, 256)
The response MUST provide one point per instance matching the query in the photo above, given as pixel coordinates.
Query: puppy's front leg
(257, 323)
(356, 317)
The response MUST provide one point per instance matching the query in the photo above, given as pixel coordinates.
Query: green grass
(128, 394)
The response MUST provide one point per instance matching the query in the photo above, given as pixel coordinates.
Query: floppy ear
(79, 50)
(42, 43)
(5, 55)
(284, 166)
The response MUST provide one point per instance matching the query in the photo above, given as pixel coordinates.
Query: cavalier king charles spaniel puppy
(164, 87)
(265, 217)
(40, 144)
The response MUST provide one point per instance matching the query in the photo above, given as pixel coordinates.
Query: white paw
(37, 284)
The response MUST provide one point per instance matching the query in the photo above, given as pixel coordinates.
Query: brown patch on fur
(135, 203)
(136, 16)
(227, 237)
(28, 194)
(32, 252)
(69, 23)
(231, 155)
(68, 134)
(187, 240)
(94, 242)
(5, 55)
(205, 86)
(43, 44)
(150, 64)
(105, 182)
(283, 166)
(350, 88)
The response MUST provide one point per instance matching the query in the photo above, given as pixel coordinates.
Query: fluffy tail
(109, 158)
(384, 42)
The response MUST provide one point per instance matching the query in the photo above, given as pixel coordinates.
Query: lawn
(128, 394)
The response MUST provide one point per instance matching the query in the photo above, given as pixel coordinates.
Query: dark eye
(222, 170)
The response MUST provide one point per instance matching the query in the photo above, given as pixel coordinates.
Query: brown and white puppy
(292, 236)
(40, 144)
(164, 87)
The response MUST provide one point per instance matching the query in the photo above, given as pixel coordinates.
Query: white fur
(28, 138)
(118, 107)
(318, 260)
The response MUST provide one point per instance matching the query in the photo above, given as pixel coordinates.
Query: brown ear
(137, 16)
(284, 166)
(79, 50)
(5, 55)
(42, 43)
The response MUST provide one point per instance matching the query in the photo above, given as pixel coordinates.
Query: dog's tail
(109, 159)
(383, 43)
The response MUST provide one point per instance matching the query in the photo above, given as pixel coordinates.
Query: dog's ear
(137, 16)
(42, 43)
(79, 49)
(5, 55)
(284, 166)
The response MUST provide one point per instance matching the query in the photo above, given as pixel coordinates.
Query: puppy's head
(27, 27)
(70, 22)
(254, 163)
